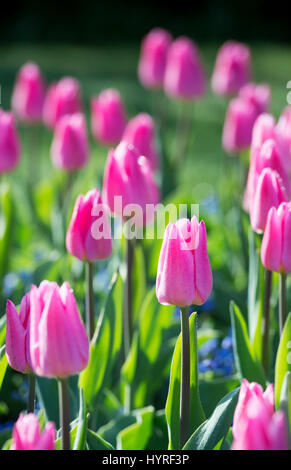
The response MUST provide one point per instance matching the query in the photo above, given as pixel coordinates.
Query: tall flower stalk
(185, 378)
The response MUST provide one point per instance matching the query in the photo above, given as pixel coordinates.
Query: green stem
(31, 393)
(282, 301)
(90, 315)
(266, 319)
(128, 317)
(185, 378)
(64, 408)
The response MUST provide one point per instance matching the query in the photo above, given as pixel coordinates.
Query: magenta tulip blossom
(9, 142)
(184, 274)
(17, 335)
(232, 68)
(108, 117)
(153, 58)
(184, 77)
(63, 97)
(129, 176)
(257, 94)
(27, 434)
(28, 94)
(140, 132)
(89, 233)
(59, 346)
(70, 147)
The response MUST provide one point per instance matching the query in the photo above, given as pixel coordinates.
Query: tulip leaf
(105, 345)
(136, 436)
(96, 442)
(246, 361)
(3, 364)
(138, 279)
(285, 397)
(283, 359)
(80, 439)
(173, 401)
(5, 228)
(215, 429)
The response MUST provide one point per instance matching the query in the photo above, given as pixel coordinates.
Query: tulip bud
(140, 132)
(17, 335)
(238, 125)
(59, 346)
(27, 435)
(184, 274)
(269, 192)
(84, 239)
(129, 176)
(232, 68)
(62, 98)
(184, 77)
(70, 149)
(108, 117)
(9, 142)
(153, 58)
(258, 95)
(28, 94)
(275, 251)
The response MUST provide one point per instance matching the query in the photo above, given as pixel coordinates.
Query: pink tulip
(27, 435)
(129, 176)
(108, 117)
(238, 125)
(140, 132)
(258, 95)
(63, 97)
(256, 426)
(70, 148)
(232, 68)
(184, 274)
(276, 249)
(269, 155)
(29, 94)
(89, 233)
(9, 142)
(284, 129)
(184, 77)
(59, 345)
(269, 192)
(17, 335)
(153, 58)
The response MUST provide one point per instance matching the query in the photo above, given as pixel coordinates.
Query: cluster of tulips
(47, 337)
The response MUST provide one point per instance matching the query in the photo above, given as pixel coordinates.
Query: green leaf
(283, 359)
(105, 345)
(215, 429)
(138, 280)
(246, 361)
(3, 364)
(96, 442)
(5, 228)
(213, 389)
(80, 439)
(173, 401)
(136, 436)
(285, 397)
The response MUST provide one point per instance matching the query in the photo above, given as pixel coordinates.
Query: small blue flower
(206, 365)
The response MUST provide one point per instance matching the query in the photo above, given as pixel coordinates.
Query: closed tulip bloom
(63, 97)
(70, 148)
(269, 192)
(108, 117)
(153, 58)
(258, 95)
(184, 274)
(27, 434)
(264, 129)
(28, 94)
(238, 125)
(140, 132)
(9, 143)
(184, 77)
(276, 249)
(129, 176)
(17, 335)
(59, 346)
(232, 68)
(84, 240)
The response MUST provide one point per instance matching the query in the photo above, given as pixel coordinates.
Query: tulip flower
(275, 251)
(258, 95)
(28, 94)
(184, 76)
(140, 132)
(70, 148)
(153, 58)
(27, 434)
(9, 143)
(184, 277)
(108, 117)
(89, 239)
(232, 68)
(284, 129)
(256, 426)
(269, 192)
(63, 97)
